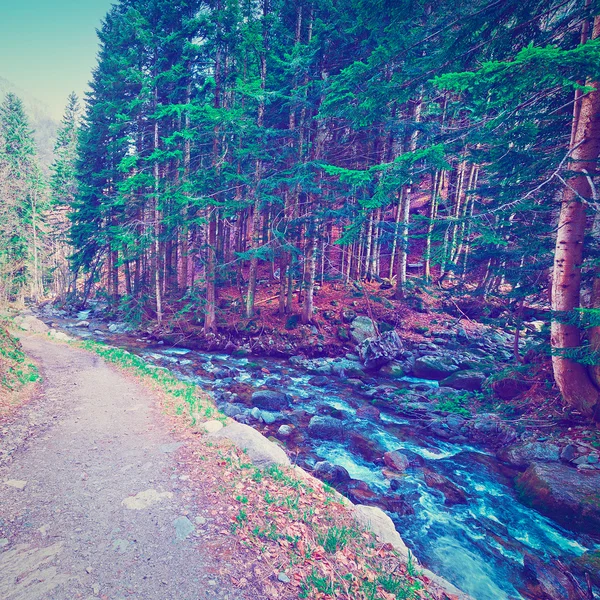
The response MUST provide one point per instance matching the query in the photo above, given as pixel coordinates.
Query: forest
(393, 201)
(228, 144)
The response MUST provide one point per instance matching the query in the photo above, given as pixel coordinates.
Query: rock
(521, 455)
(223, 373)
(82, 324)
(567, 495)
(589, 562)
(361, 443)
(470, 381)
(360, 493)
(568, 453)
(319, 381)
(344, 367)
(183, 528)
(393, 370)
(59, 335)
(270, 417)
(434, 367)
(348, 315)
(511, 386)
(283, 578)
(330, 473)
(375, 520)
(262, 452)
(396, 460)
(170, 448)
(285, 431)
(368, 411)
(361, 329)
(119, 327)
(232, 410)
(145, 499)
(452, 493)
(270, 400)
(15, 483)
(455, 423)
(326, 428)
(398, 505)
(212, 426)
(378, 351)
(543, 580)
(31, 323)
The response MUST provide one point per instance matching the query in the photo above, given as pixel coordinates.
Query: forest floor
(106, 493)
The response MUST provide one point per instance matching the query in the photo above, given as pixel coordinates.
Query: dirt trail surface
(92, 504)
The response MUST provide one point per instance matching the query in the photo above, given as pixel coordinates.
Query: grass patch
(17, 373)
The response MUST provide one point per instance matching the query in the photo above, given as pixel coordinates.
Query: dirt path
(93, 505)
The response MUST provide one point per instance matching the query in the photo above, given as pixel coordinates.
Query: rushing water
(478, 546)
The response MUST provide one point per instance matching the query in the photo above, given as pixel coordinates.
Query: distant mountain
(44, 125)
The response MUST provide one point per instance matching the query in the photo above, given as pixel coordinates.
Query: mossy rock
(563, 493)
(343, 334)
(589, 562)
(292, 322)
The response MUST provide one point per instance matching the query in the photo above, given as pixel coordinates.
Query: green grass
(15, 369)
(318, 582)
(336, 538)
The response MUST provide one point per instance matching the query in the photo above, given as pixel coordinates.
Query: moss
(589, 563)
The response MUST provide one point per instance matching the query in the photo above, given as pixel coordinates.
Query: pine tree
(23, 197)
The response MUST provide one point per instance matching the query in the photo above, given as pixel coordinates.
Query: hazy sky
(48, 47)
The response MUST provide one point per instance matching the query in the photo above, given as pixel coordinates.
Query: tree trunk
(572, 378)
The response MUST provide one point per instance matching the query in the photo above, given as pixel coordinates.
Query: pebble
(283, 578)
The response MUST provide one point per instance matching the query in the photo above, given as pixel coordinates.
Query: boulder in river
(396, 460)
(345, 367)
(330, 473)
(361, 443)
(326, 428)
(378, 351)
(434, 367)
(393, 370)
(452, 493)
(270, 400)
(361, 329)
(521, 455)
(470, 381)
(568, 495)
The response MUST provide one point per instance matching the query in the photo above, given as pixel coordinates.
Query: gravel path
(92, 504)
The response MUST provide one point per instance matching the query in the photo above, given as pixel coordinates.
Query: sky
(48, 47)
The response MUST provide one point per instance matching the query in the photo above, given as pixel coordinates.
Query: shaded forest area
(240, 164)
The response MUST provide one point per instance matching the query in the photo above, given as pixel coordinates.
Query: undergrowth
(15, 369)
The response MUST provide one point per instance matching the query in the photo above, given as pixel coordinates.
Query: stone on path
(145, 499)
(212, 426)
(169, 448)
(15, 483)
(183, 528)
